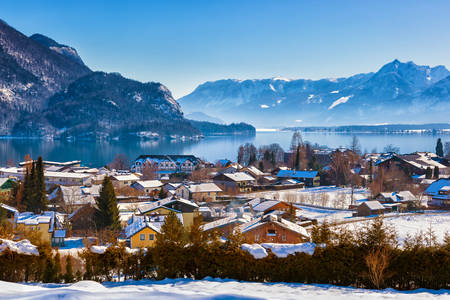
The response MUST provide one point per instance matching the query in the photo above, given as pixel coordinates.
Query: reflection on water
(98, 153)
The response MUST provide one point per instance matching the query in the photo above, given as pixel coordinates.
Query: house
(369, 208)
(10, 211)
(45, 224)
(239, 181)
(253, 171)
(393, 197)
(62, 178)
(439, 194)
(166, 163)
(6, 184)
(187, 208)
(414, 163)
(226, 226)
(73, 197)
(224, 163)
(82, 220)
(268, 206)
(141, 232)
(309, 178)
(171, 187)
(200, 192)
(148, 186)
(273, 229)
(121, 181)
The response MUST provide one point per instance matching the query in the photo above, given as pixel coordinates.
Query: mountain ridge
(394, 91)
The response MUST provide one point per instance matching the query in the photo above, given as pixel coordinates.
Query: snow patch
(339, 101)
(264, 106)
(21, 247)
(256, 250)
(334, 92)
(272, 88)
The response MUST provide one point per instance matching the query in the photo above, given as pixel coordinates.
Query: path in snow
(203, 289)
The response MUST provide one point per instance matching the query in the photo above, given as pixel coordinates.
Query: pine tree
(436, 172)
(57, 267)
(428, 173)
(49, 271)
(41, 192)
(68, 276)
(370, 171)
(162, 194)
(172, 232)
(439, 148)
(297, 159)
(107, 213)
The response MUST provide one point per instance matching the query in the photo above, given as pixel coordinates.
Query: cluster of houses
(220, 197)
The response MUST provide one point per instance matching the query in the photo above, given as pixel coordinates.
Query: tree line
(369, 258)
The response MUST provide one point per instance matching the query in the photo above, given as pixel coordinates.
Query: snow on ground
(323, 196)
(413, 224)
(203, 289)
(322, 214)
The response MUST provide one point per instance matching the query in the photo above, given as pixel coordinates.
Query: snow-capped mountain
(398, 93)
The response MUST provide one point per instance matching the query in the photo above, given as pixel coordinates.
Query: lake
(212, 148)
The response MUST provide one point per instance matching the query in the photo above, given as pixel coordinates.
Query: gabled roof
(28, 218)
(234, 218)
(373, 205)
(166, 203)
(149, 184)
(204, 188)
(434, 188)
(265, 205)
(239, 176)
(297, 174)
(9, 208)
(253, 170)
(139, 224)
(128, 177)
(399, 196)
(273, 219)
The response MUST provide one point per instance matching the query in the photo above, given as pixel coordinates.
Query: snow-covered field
(203, 289)
(413, 224)
(323, 196)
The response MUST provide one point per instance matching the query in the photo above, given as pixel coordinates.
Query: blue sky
(184, 43)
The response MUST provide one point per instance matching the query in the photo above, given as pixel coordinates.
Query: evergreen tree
(297, 159)
(370, 171)
(428, 173)
(439, 148)
(436, 172)
(49, 271)
(57, 267)
(68, 276)
(162, 194)
(107, 213)
(41, 192)
(252, 159)
(2, 215)
(27, 191)
(172, 232)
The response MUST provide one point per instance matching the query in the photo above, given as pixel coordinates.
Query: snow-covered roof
(9, 208)
(149, 184)
(28, 218)
(234, 218)
(265, 205)
(139, 224)
(3, 180)
(255, 171)
(373, 205)
(399, 196)
(73, 195)
(163, 203)
(204, 188)
(273, 219)
(434, 188)
(128, 177)
(239, 176)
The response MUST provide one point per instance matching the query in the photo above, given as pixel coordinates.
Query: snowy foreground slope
(203, 289)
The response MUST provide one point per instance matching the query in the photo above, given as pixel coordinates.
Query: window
(142, 237)
(256, 237)
(151, 237)
(271, 232)
(283, 238)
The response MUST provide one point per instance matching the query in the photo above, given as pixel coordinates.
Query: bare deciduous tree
(377, 262)
(120, 162)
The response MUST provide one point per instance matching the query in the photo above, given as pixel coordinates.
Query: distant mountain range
(47, 90)
(397, 93)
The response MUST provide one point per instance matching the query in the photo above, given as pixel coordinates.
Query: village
(267, 195)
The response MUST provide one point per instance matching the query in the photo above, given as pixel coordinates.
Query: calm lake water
(99, 153)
